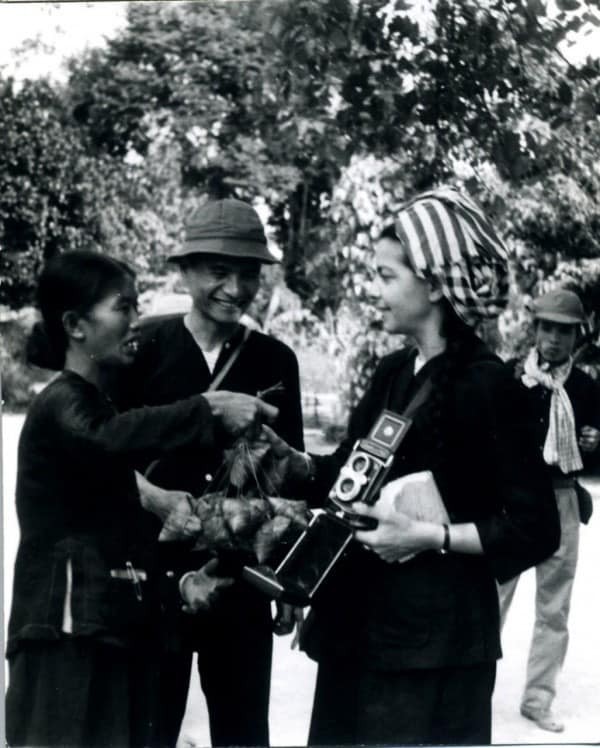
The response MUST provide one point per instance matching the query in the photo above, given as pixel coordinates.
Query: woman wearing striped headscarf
(406, 627)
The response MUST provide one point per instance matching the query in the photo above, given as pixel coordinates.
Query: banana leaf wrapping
(242, 510)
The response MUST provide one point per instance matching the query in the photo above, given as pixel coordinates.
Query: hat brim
(226, 246)
(564, 319)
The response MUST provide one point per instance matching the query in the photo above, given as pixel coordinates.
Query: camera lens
(360, 464)
(347, 485)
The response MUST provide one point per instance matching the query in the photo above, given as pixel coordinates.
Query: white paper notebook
(416, 495)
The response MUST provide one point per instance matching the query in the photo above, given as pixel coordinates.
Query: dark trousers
(79, 692)
(449, 706)
(234, 665)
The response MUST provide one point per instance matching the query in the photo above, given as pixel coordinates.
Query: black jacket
(584, 394)
(77, 500)
(437, 610)
(169, 366)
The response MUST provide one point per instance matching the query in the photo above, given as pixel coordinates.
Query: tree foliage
(46, 185)
(274, 98)
(58, 194)
(332, 111)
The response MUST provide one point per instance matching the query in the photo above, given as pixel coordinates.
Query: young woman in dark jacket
(406, 627)
(85, 605)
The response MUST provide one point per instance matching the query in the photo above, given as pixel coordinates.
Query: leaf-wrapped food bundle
(243, 514)
(295, 510)
(181, 523)
(215, 534)
(221, 523)
(269, 536)
(243, 518)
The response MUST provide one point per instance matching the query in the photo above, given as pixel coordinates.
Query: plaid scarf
(449, 240)
(560, 447)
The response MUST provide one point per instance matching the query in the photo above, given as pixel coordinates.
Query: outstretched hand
(201, 588)
(292, 462)
(239, 412)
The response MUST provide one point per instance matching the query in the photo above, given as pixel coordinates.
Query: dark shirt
(77, 500)
(170, 365)
(442, 610)
(584, 394)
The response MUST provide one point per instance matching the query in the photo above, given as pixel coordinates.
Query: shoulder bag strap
(213, 385)
(229, 363)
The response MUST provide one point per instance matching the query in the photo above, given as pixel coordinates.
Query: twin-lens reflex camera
(301, 573)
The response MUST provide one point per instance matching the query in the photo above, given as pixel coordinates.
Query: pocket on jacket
(99, 602)
(126, 606)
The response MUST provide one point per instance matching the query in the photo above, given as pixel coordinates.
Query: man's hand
(286, 618)
(589, 438)
(237, 411)
(199, 589)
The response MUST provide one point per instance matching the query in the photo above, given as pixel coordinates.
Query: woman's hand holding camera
(199, 589)
(397, 537)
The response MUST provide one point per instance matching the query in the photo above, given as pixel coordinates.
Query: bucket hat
(226, 227)
(559, 305)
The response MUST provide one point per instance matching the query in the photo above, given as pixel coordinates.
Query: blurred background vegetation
(326, 114)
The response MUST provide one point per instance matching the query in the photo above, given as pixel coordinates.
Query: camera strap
(418, 398)
(216, 381)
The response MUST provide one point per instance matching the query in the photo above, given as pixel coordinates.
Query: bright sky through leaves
(64, 29)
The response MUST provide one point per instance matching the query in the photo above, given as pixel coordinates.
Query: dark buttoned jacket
(77, 502)
(441, 610)
(170, 366)
(584, 394)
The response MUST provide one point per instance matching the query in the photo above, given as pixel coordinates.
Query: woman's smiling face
(404, 299)
(110, 328)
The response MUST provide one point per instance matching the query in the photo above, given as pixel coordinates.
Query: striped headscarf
(448, 239)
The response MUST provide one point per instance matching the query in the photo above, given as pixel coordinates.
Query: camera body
(310, 560)
(363, 473)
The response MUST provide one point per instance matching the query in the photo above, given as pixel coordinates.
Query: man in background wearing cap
(179, 355)
(565, 406)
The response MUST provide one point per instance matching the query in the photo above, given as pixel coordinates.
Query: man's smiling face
(222, 288)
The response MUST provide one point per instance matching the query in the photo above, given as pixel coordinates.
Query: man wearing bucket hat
(565, 408)
(208, 348)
